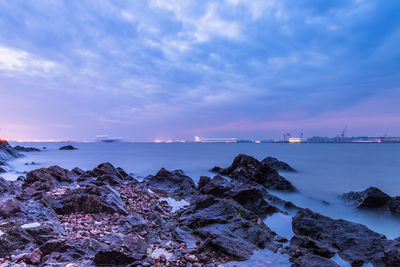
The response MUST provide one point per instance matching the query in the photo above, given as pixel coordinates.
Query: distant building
(294, 140)
(198, 139)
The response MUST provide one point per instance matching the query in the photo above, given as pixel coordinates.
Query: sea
(325, 171)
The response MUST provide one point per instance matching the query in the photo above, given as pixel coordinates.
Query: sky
(175, 69)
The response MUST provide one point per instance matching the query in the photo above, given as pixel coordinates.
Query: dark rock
(250, 197)
(46, 231)
(90, 199)
(77, 171)
(354, 242)
(6, 151)
(11, 207)
(247, 169)
(371, 197)
(314, 261)
(226, 226)
(278, 165)
(68, 147)
(15, 239)
(26, 149)
(175, 184)
(70, 250)
(394, 206)
(116, 257)
(45, 179)
(185, 235)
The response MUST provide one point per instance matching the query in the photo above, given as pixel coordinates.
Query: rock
(314, 261)
(45, 179)
(69, 250)
(26, 149)
(116, 258)
(226, 226)
(6, 151)
(184, 235)
(176, 184)
(68, 147)
(371, 197)
(11, 207)
(354, 242)
(278, 165)
(14, 240)
(247, 169)
(250, 197)
(90, 199)
(46, 231)
(394, 206)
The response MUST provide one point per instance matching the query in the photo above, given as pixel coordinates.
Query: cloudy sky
(164, 69)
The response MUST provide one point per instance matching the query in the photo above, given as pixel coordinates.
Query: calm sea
(325, 170)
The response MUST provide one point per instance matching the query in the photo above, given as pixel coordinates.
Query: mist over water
(324, 170)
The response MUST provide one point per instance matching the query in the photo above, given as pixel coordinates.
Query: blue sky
(161, 69)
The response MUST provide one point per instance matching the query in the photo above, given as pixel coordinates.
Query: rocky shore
(105, 217)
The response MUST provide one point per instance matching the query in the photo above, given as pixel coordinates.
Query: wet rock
(26, 149)
(4, 185)
(250, 197)
(90, 199)
(247, 169)
(314, 261)
(185, 235)
(278, 165)
(116, 257)
(371, 197)
(68, 147)
(7, 152)
(354, 242)
(175, 184)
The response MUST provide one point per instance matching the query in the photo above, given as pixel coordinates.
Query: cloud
(21, 61)
(181, 66)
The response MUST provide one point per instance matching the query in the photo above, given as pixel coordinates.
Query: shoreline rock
(68, 147)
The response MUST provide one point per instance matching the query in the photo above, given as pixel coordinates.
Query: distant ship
(107, 139)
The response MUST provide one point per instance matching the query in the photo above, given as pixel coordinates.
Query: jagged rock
(69, 250)
(250, 197)
(46, 231)
(11, 207)
(226, 226)
(26, 149)
(175, 184)
(14, 239)
(6, 151)
(354, 242)
(68, 147)
(371, 197)
(45, 179)
(249, 170)
(278, 165)
(90, 199)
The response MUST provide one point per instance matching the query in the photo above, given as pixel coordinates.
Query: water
(325, 170)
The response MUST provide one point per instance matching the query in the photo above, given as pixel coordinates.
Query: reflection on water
(261, 258)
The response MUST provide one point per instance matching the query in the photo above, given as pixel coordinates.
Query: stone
(68, 147)
(371, 197)
(278, 165)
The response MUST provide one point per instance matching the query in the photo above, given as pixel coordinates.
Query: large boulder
(175, 184)
(105, 172)
(250, 197)
(45, 179)
(249, 170)
(11, 207)
(14, 239)
(90, 199)
(355, 243)
(227, 227)
(278, 165)
(371, 197)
